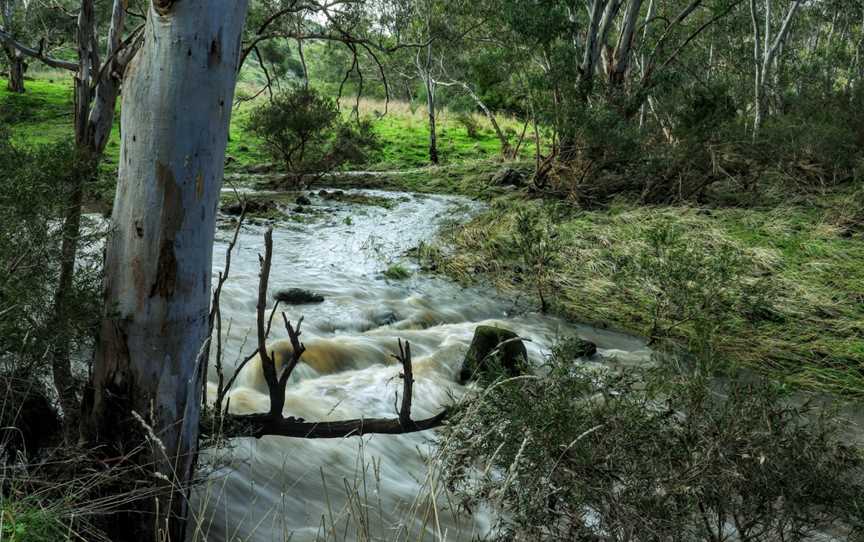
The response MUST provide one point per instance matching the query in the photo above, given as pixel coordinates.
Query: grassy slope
(811, 270)
(403, 132)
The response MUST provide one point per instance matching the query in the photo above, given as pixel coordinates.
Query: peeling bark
(174, 126)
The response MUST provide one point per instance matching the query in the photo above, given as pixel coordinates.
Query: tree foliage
(305, 130)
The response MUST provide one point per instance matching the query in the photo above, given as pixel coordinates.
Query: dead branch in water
(273, 422)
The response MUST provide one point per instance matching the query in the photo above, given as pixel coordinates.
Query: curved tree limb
(38, 54)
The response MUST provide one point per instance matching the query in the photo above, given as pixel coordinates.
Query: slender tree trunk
(505, 143)
(14, 58)
(433, 131)
(644, 61)
(591, 47)
(17, 68)
(61, 366)
(764, 59)
(93, 123)
(621, 58)
(174, 125)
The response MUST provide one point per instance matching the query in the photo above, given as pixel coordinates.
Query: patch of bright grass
(397, 272)
(44, 115)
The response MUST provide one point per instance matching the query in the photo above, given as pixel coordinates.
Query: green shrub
(27, 522)
(537, 243)
(35, 187)
(305, 130)
(588, 454)
(467, 121)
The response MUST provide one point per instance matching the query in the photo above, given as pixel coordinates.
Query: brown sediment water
(378, 487)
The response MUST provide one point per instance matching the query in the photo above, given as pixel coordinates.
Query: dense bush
(305, 130)
(35, 186)
(467, 121)
(588, 454)
(704, 151)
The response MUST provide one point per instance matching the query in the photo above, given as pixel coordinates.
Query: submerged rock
(298, 296)
(384, 318)
(253, 207)
(512, 356)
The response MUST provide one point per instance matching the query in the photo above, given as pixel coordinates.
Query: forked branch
(274, 423)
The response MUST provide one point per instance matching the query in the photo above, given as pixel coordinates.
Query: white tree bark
(176, 110)
(764, 52)
(621, 58)
(591, 47)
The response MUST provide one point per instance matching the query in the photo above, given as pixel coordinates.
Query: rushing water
(377, 487)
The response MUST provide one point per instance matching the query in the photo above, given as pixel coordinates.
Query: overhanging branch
(38, 54)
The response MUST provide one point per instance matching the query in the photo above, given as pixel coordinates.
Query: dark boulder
(30, 422)
(511, 356)
(385, 318)
(582, 348)
(253, 207)
(509, 177)
(303, 200)
(298, 296)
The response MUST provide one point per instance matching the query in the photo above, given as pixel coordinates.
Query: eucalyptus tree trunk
(17, 67)
(643, 61)
(591, 47)
(506, 149)
(621, 58)
(14, 58)
(765, 50)
(146, 384)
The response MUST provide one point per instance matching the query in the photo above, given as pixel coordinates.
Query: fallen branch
(274, 423)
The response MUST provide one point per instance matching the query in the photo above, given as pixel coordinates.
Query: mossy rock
(511, 360)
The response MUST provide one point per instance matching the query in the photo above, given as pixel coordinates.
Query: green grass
(397, 272)
(805, 268)
(25, 521)
(44, 115)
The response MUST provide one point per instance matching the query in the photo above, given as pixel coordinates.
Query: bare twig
(216, 317)
(268, 365)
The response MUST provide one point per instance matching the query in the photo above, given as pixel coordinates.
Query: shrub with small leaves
(580, 453)
(305, 130)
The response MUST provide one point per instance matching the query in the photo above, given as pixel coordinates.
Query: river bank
(776, 287)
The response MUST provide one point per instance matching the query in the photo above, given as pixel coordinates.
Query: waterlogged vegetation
(776, 289)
